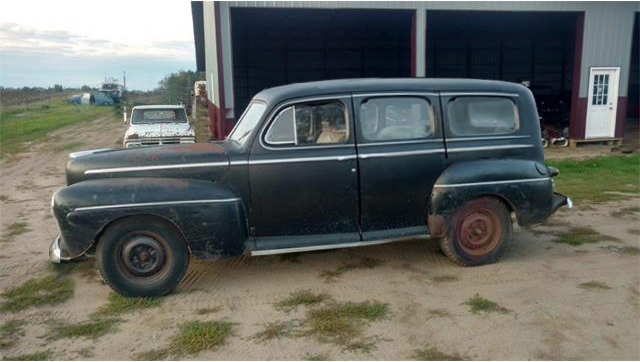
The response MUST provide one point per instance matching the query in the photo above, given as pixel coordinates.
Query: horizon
(73, 49)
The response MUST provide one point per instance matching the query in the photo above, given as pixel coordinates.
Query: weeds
(364, 263)
(14, 230)
(89, 329)
(594, 285)
(439, 313)
(37, 356)
(152, 354)
(118, 305)
(479, 304)
(10, 333)
(196, 336)
(316, 357)
(433, 354)
(303, 297)
(582, 235)
(630, 250)
(274, 330)
(203, 311)
(50, 289)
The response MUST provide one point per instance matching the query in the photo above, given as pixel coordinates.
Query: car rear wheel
(478, 232)
(142, 256)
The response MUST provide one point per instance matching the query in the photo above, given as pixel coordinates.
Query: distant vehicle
(114, 90)
(158, 125)
(97, 98)
(75, 99)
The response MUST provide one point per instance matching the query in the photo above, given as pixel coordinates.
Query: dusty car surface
(158, 125)
(314, 166)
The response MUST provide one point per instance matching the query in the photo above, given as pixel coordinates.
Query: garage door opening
(532, 48)
(273, 47)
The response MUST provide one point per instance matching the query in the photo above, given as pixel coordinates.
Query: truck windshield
(142, 116)
(247, 122)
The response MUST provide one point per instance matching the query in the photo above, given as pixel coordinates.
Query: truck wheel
(478, 232)
(142, 256)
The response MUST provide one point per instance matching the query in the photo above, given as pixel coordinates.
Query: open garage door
(533, 48)
(273, 47)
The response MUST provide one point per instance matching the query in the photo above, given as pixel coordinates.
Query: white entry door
(602, 102)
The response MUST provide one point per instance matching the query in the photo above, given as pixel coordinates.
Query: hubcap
(143, 255)
(479, 232)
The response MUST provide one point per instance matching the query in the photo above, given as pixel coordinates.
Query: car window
(309, 124)
(247, 122)
(141, 116)
(482, 116)
(396, 118)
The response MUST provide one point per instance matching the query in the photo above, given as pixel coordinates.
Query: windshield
(247, 122)
(144, 116)
(109, 86)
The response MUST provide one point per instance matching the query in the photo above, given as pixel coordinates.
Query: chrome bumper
(560, 200)
(54, 250)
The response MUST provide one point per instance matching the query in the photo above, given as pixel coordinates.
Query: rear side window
(396, 118)
(482, 116)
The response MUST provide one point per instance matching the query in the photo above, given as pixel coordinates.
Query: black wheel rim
(143, 255)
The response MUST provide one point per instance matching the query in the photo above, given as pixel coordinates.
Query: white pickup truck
(158, 125)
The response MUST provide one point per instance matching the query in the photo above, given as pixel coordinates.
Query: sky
(75, 43)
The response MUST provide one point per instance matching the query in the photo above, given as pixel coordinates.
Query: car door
(303, 175)
(400, 154)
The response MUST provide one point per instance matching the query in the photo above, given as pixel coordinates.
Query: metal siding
(608, 31)
(210, 57)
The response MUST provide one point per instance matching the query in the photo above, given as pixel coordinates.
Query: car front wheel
(141, 256)
(478, 232)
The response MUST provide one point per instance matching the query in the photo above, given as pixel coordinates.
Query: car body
(75, 99)
(114, 90)
(158, 125)
(97, 98)
(313, 166)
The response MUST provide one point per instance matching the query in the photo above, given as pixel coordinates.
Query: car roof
(386, 85)
(160, 106)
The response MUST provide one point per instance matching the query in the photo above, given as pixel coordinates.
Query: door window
(309, 124)
(600, 89)
(482, 116)
(396, 118)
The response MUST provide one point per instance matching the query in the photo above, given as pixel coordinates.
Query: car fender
(524, 186)
(210, 216)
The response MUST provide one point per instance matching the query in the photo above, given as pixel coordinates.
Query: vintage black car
(312, 166)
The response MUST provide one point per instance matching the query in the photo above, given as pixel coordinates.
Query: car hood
(159, 130)
(199, 161)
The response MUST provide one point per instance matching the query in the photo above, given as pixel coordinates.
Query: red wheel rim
(479, 232)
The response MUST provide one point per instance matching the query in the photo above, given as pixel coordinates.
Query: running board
(335, 246)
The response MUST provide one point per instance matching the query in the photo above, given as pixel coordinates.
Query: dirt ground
(549, 316)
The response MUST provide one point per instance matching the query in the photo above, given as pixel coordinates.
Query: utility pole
(124, 79)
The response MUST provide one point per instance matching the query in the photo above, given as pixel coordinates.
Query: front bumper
(560, 200)
(54, 250)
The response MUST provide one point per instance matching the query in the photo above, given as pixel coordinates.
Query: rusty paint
(437, 226)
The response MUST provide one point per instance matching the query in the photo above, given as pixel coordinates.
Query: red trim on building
(414, 36)
(621, 116)
(578, 114)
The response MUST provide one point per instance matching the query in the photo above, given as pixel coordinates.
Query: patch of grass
(37, 356)
(343, 323)
(582, 235)
(13, 230)
(594, 284)
(86, 352)
(10, 333)
(152, 354)
(274, 330)
(203, 311)
(118, 305)
(444, 279)
(434, 354)
(598, 179)
(196, 336)
(69, 146)
(625, 211)
(630, 250)
(50, 289)
(303, 297)
(20, 124)
(364, 263)
(439, 312)
(89, 329)
(316, 357)
(479, 304)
